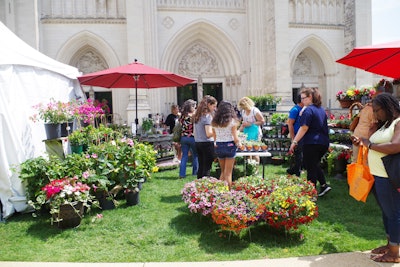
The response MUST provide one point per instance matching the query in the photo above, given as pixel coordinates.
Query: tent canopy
(27, 77)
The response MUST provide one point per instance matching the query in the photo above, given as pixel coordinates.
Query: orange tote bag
(359, 178)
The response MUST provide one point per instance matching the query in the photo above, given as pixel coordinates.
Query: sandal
(386, 258)
(380, 250)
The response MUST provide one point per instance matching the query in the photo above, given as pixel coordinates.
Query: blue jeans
(187, 143)
(389, 202)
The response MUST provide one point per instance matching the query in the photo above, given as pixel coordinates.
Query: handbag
(356, 119)
(392, 166)
(177, 132)
(359, 178)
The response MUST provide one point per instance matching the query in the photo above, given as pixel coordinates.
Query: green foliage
(161, 229)
(110, 160)
(266, 99)
(34, 174)
(278, 118)
(147, 124)
(77, 137)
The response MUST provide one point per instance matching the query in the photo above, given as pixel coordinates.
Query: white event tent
(27, 77)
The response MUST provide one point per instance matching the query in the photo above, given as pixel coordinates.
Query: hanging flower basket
(345, 103)
(70, 215)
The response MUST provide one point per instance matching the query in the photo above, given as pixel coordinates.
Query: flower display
(65, 191)
(387, 85)
(200, 194)
(344, 154)
(235, 211)
(289, 206)
(53, 112)
(280, 202)
(336, 154)
(343, 121)
(87, 111)
(103, 104)
(125, 161)
(354, 93)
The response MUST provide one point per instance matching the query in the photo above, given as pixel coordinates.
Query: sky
(385, 21)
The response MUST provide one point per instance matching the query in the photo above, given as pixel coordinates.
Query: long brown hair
(315, 95)
(202, 108)
(224, 115)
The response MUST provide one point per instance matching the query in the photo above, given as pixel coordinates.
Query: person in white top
(225, 125)
(252, 121)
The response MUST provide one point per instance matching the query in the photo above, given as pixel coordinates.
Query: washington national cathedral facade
(231, 48)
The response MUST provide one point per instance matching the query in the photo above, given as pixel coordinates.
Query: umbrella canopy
(382, 59)
(134, 75)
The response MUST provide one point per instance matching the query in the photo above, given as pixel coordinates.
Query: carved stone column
(200, 93)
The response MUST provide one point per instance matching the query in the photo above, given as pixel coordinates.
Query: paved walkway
(352, 259)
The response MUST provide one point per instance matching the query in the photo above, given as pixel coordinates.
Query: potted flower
(385, 84)
(147, 125)
(337, 159)
(235, 211)
(353, 94)
(266, 102)
(66, 197)
(87, 112)
(289, 203)
(200, 195)
(135, 169)
(52, 114)
(251, 166)
(76, 140)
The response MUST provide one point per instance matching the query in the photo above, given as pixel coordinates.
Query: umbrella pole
(136, 78)
(136, 120)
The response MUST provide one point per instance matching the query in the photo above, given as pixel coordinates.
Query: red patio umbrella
(134, 75)
(382, 59)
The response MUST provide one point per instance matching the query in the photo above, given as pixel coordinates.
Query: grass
(161, 229)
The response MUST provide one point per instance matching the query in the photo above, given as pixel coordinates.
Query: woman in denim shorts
(226, 138)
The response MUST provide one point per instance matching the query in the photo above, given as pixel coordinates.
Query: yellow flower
(350, 92)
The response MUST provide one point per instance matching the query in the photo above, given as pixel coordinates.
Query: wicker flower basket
(70, 215)
(346, 103)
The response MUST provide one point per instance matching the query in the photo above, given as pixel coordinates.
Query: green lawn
(161, 229)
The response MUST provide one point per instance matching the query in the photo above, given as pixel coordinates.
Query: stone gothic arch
(313, 63)
(84, 42)
(218, 55)
(89, 53)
